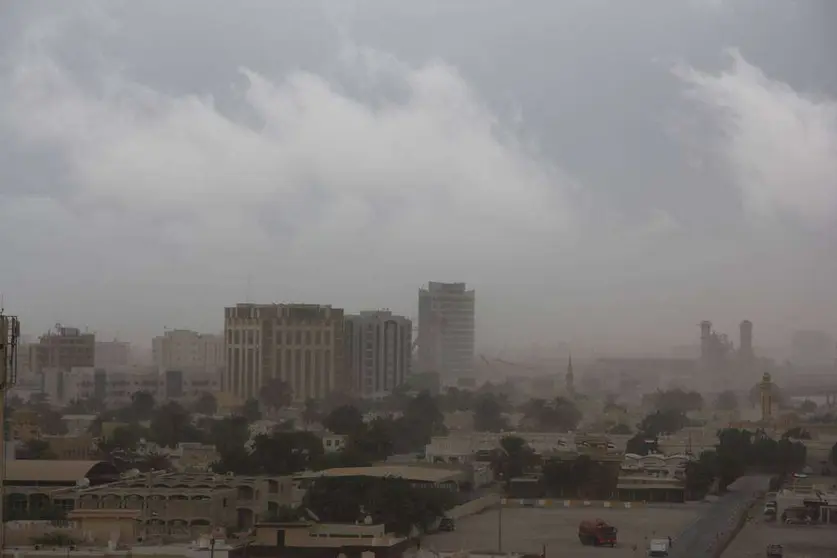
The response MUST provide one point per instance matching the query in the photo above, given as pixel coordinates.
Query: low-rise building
(327, 540)
(188, 504)
(444, 477)
(653, 478)
(72, 448)
(334, 442)
(31, 486)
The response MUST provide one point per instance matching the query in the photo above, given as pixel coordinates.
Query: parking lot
(528, 529)
(799, 541)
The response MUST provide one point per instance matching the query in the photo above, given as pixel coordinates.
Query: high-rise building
(188, 351)
(62, 349)
(300, 343)
(812, 348)
(446, 330)
(378, 351)
(112, 354)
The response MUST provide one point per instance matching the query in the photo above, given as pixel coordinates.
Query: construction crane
(438, 323)
(9, 335)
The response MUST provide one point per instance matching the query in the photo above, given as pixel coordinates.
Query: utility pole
(500, 526)
(9, 335)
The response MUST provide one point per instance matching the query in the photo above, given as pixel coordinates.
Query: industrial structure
(719, 357)
(9, 336)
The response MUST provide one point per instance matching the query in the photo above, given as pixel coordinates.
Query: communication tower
(9, 335)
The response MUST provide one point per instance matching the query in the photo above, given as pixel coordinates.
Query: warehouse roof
(420, 474)
(51, 470)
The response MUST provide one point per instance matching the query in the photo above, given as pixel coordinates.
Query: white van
(658, 547)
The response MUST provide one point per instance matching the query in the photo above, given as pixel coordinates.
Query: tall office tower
(378, 351)
(812, 348)
(446, 330)
(746, 355)
(300, 343)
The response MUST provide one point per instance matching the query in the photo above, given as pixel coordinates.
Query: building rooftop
(420, 474)
(48, 470)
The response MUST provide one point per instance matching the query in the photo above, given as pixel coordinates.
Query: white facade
(117, 386)
(378, 351)
(183, 349)
(446, 330)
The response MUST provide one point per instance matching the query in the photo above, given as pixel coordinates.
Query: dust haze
(605, 176)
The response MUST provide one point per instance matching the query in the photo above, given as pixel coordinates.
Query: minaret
(570, 377)
(766, 391)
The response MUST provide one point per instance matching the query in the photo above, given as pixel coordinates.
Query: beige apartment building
(186, 350)
(62, 349)
(302, 344)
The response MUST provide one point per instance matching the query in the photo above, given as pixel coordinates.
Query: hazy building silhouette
(186, 350)
(378, 351)
(812, 348)
(300, 343)
(446, 330)
(745, 343)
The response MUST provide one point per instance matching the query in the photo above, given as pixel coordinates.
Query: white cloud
(434, 169)
(779, 145)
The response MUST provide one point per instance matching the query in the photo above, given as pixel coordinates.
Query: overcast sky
(603, 172)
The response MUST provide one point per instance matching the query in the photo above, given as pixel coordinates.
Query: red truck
(597, 532)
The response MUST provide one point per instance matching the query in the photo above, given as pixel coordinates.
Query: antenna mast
(9, 335)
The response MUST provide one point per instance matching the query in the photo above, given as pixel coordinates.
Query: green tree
(677, 400)
(726, 401)
(807, 407)
(642, 444)
(230, 433)
(311, 413)
(36, 449)
(345, 420)
(662, 423)
(558, 415)
(833, 454)
(374, 442)
(285, 453)
(124, 438)
(251, 410)
(488, 414)
(619, 429)
(275, 394)
(514, 458)
(700, 474)
(142, 406)
(797, 432)
(206, 404)
(393, 502)
(172, 424)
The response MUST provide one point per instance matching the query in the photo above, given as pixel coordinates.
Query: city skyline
(659, 173)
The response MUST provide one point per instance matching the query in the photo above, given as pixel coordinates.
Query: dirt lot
(800, 541)
(528, 529)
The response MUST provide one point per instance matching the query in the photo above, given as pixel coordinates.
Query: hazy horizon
(605, 176)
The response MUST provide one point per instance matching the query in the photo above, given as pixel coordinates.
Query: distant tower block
(705, 340)
(745, 348)
(570, 377)
(766, 392)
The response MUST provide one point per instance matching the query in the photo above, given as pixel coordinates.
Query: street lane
(701, 537)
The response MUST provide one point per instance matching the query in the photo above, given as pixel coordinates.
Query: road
(699, 538)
